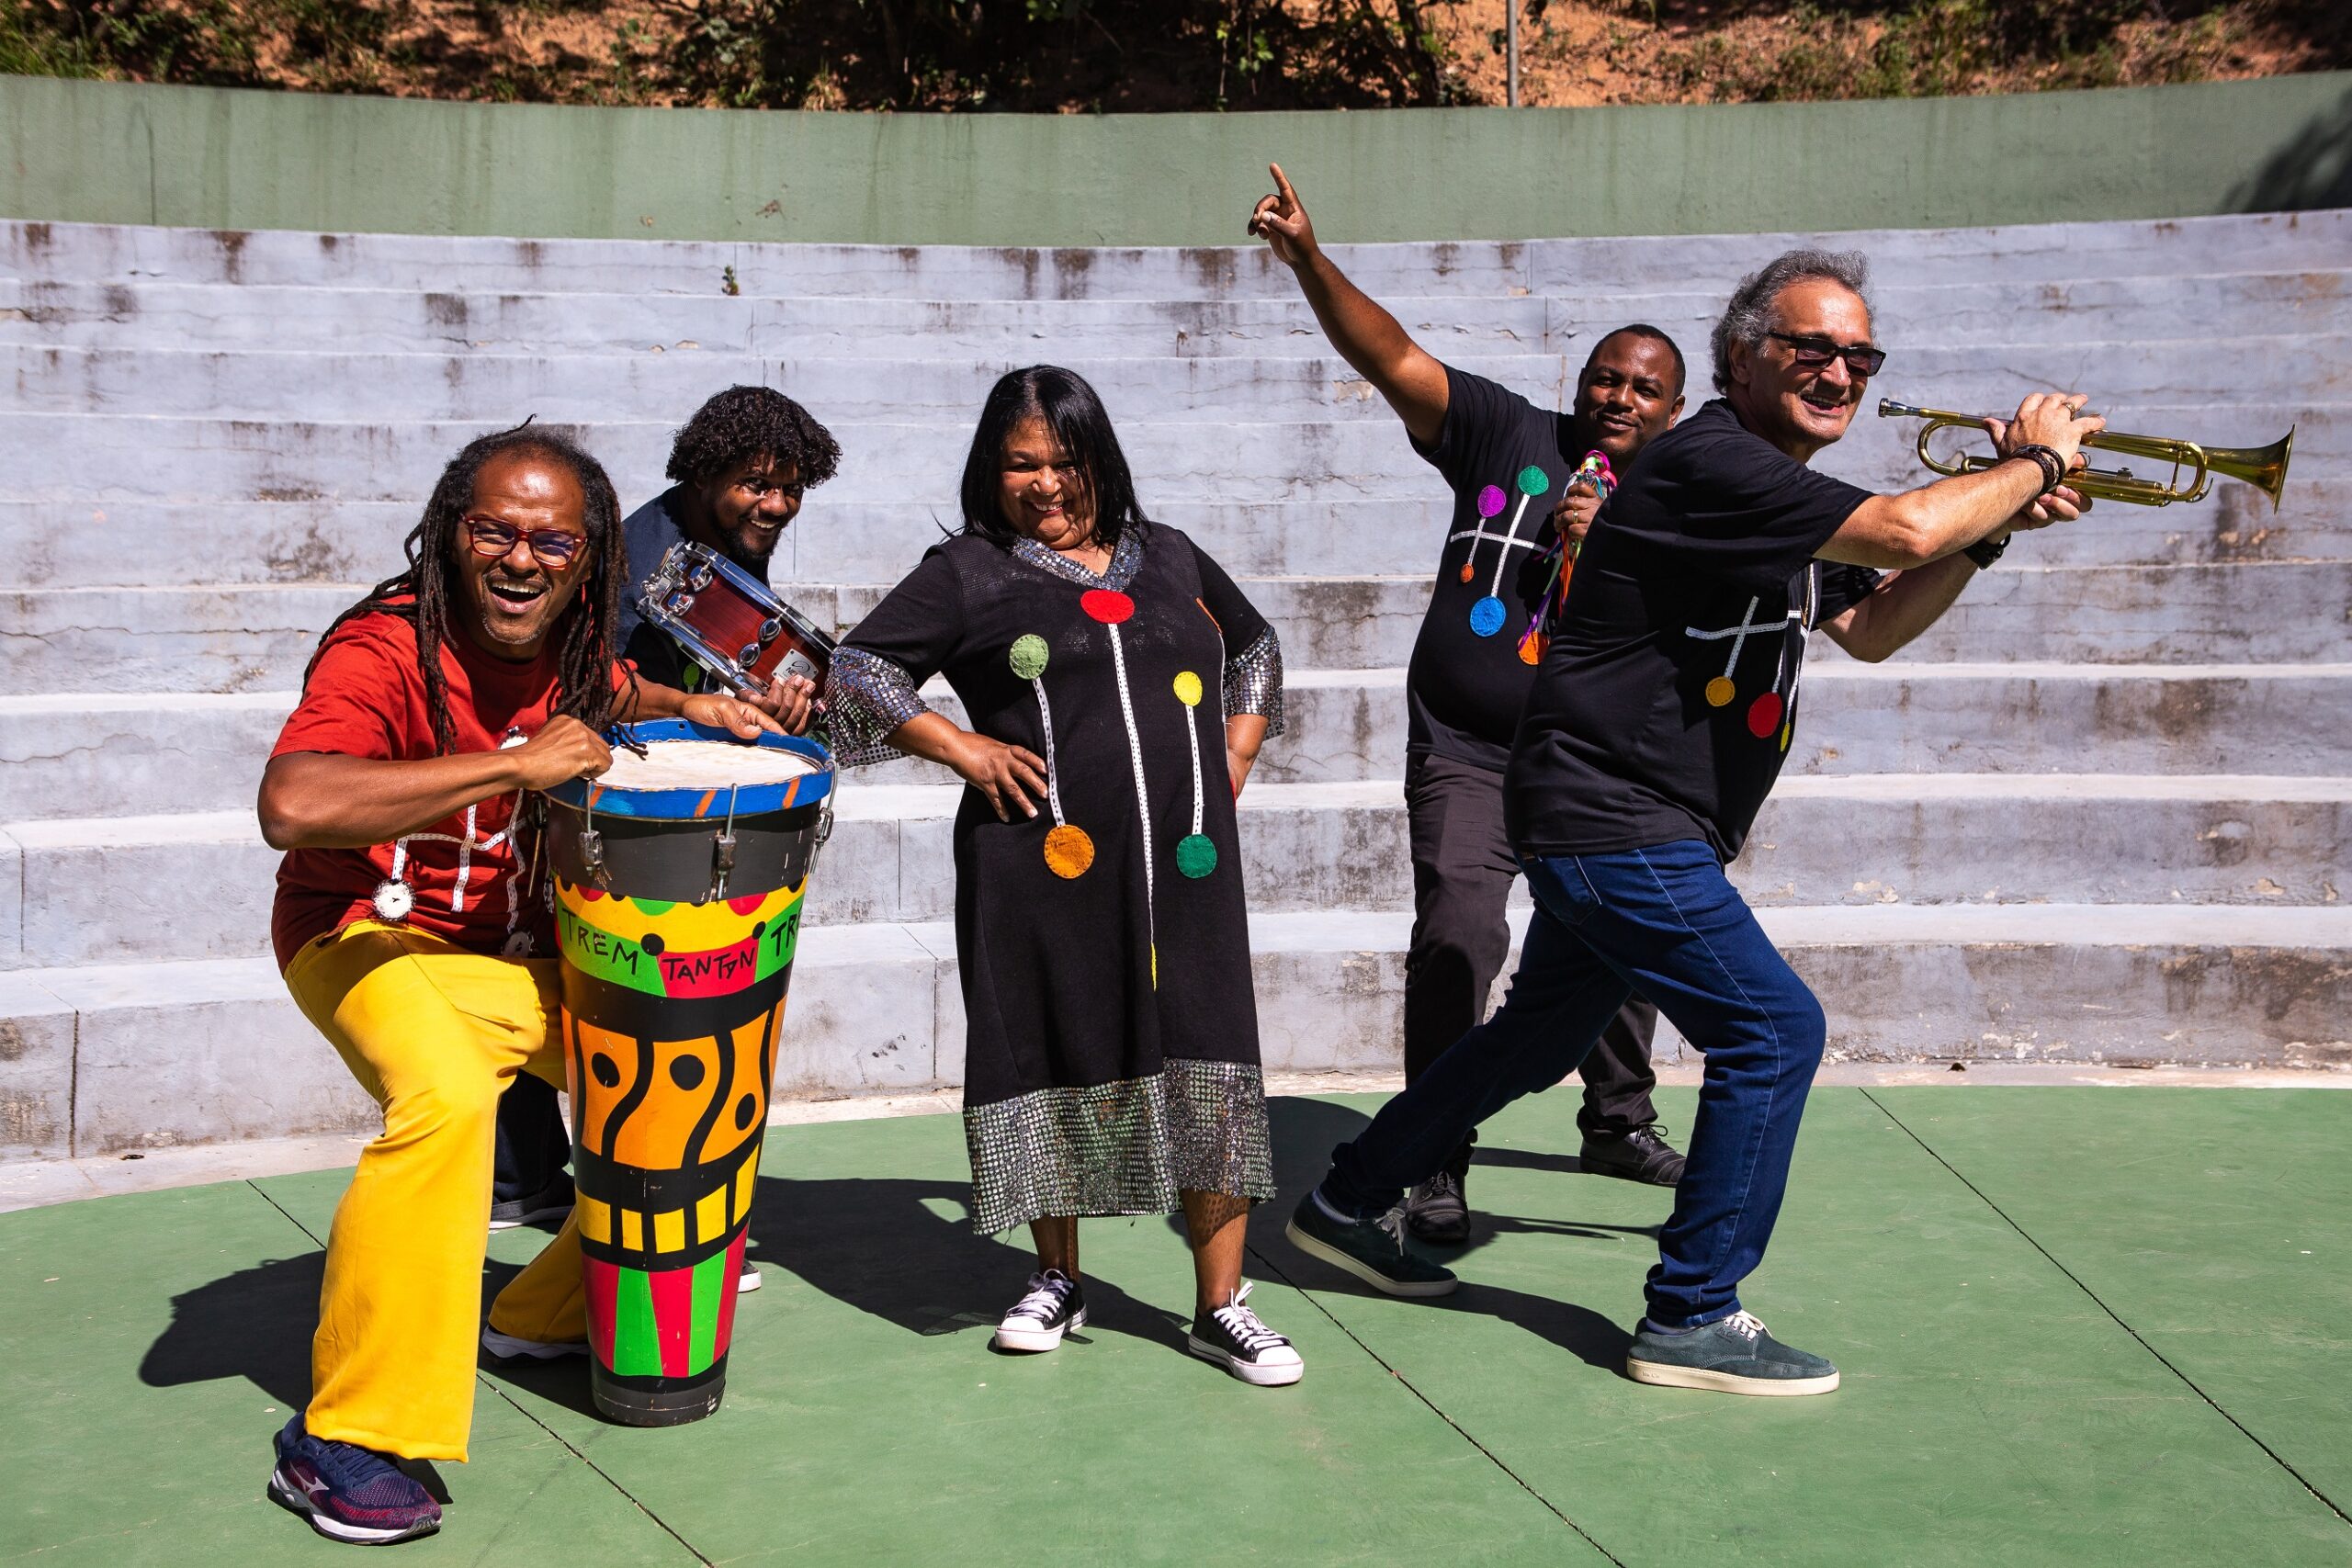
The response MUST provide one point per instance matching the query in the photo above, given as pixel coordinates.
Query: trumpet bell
(2264, 468)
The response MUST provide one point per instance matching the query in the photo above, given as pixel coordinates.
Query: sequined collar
(1126, 560)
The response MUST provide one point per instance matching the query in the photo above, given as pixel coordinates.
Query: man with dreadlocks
(412, 936)
(739, 469)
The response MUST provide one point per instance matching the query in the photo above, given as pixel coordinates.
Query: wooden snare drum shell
(718, 612)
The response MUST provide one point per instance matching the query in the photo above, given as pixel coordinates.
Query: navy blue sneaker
(348, 1493)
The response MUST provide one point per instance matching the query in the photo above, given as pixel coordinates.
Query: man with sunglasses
(1517, 504)
(1654, 730)
(739, 469)
(414, 934)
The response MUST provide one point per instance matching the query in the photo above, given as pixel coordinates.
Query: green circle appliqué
(1195, 856)
(1029, 656)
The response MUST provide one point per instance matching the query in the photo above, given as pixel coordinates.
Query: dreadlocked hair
(584, 632)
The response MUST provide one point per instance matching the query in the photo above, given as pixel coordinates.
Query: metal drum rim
(695, 804)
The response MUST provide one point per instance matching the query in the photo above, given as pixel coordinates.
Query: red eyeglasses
(552, 547)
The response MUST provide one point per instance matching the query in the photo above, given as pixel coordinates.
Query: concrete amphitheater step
(66, 313)
(1931, 838)
(142, 754)
(79, 543)
(137, 1054)
(114, 1057)
(101, 459)
(249, 637)
(2025, 254)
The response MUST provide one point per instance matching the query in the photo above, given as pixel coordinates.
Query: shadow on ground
(902, 1250)
(1305, 1132)
(255, 1324)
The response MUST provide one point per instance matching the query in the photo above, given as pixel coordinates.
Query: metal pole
(1510, 49)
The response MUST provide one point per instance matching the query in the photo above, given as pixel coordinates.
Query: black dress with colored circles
(1111, 1054)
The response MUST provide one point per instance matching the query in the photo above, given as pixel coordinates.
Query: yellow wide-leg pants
(435, 1034)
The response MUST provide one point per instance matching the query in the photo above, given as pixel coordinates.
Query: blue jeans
(1665, 920)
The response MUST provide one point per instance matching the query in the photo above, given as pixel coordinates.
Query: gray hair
(1749, 315)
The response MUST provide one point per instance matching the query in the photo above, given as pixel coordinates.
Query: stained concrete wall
(213, 159)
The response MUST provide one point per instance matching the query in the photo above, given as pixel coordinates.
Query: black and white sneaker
(1438, 1211)
(549, 1203)
(1056, 1305)
(507, 1347)
(749, 1279)
(1237, 1339)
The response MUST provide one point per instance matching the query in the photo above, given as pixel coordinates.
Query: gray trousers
(1462, 870)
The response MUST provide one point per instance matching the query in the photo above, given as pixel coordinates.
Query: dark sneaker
(1373, 1250)
(749, 1279)
(549, 1203)
(1438, 1211)
(1641, 1154)
(349, 1493)
(1234, 1338)
(1054, 1304)
(1732, 1355)
(506, 1347)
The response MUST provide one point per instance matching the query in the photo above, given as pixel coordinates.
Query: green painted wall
(197, 157)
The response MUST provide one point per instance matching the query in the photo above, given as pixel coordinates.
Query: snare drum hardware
(732, 624)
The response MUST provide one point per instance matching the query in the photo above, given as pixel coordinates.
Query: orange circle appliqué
(1068, 851)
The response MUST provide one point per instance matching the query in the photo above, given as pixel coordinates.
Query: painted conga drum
(679, 877)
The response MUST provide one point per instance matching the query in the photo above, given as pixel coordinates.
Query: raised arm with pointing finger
(1367, 337)
(1513, 467)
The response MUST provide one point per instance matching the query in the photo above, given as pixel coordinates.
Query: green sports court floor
(2077, 1325)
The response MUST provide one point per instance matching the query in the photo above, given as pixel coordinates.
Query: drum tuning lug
(747, 653)
(722, 865)
(770, 630)
(824, 833)
(698, 577)
(592, 855)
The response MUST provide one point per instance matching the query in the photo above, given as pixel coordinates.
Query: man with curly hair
(739, 469)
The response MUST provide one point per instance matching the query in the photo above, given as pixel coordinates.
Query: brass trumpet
(2265, 467)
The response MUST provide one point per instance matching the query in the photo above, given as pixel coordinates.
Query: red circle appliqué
(1106, 606)
(1764, 716)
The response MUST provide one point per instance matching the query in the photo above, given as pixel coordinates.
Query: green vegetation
(1129, 55)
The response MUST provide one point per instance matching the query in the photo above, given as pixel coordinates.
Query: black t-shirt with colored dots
(1507, 462)
(1668, 694)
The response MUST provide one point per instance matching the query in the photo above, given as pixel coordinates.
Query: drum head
(691, 771)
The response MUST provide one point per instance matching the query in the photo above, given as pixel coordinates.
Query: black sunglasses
(1813, 353)
(550, 547)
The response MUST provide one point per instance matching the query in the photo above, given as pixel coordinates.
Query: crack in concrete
(2077, 1282)
(1492, 1457)
(569, 1446)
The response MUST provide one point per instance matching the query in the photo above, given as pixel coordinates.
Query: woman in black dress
(1117, 685)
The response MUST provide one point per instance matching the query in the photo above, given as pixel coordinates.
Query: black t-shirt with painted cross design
(1667, 696)
(1507, 462)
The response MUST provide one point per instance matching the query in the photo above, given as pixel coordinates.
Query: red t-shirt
(366, 698)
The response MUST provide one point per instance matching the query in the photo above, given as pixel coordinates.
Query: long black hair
(583, 631)
(1076, 416)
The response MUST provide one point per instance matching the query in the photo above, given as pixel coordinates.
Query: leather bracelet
(1984, 552)
(2053, 467)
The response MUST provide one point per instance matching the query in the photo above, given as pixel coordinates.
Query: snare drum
(732, 624)
(679, 877)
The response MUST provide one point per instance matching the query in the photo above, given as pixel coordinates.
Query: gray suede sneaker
(1732, 1355)
(1373, 1250)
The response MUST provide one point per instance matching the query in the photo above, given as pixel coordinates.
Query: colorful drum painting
(678, 900)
